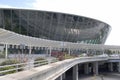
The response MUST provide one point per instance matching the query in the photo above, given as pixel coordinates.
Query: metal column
(30, 50)
(6, 51)
(50, 48)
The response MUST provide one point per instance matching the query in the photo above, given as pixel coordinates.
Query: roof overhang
(12, 38)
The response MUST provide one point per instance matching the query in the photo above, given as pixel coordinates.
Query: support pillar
(50, 50)
(118, 66)
(75, 72)
(110, 66)
(69, 51)
(30, 59)
(64, 75)
(95, 68)
(86, 68)
(30, 50)
(59, 78)
(47, 52)
(6, 51)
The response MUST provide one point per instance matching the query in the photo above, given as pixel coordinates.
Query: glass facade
(54, 26)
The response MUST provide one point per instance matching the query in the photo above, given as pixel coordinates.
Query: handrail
(52, 71)
(25, 66)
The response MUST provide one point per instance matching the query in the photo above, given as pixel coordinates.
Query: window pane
(1, 19)
(7, 19)
(15, 14)
(15, 25)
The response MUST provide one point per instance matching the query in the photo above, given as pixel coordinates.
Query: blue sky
(17, 3)
(105, 10)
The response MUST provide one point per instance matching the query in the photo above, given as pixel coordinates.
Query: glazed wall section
(54, 26)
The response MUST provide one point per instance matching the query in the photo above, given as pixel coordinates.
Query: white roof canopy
(9, 37)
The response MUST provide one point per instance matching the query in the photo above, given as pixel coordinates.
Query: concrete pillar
(118, 66)
(47, 52)
(95, 68)
(75, 72)
(110, 66)
(50, 49)
(59, 78)
(64, 75)
(6, 51)
(86, 68)
(29, 50)
(69, 51)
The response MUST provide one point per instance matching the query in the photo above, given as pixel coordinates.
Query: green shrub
(7, 68)
(40, 61)
(9, 62)
(67, 56)
(2, 55)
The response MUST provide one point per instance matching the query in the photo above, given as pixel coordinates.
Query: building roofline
(56, 13)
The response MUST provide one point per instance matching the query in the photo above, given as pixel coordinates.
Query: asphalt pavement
(104, 76)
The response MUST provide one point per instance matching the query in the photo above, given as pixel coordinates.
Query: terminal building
(38, 32)
(54, 26)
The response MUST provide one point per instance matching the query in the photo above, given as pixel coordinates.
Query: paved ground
(104, 76)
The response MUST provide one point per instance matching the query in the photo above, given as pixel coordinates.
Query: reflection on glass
(54, 26)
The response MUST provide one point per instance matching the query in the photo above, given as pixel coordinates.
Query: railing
(114, 57)
(68, 64)
(7, 69)
(34, 56)
(52, 71)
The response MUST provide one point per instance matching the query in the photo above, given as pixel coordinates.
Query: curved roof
(11, 38)
(54, 26)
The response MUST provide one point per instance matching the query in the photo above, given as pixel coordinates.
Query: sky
(104, 10)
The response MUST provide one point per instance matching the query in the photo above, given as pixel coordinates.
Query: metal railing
(12, 68)
(64, 66)
(52, 71)
(31, 64)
